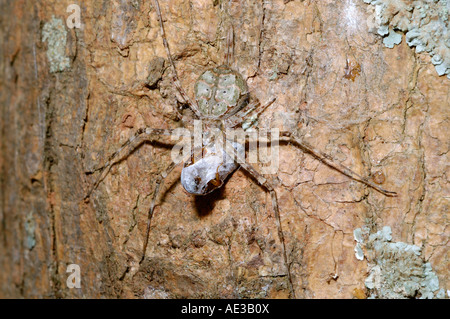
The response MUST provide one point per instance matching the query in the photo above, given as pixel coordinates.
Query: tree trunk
(72, 95)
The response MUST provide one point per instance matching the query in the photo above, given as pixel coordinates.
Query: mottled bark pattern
(71, 97)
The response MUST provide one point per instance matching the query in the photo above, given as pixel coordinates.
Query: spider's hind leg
(160, 183)
(264, 183)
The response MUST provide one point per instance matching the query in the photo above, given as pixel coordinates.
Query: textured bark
(62, 117)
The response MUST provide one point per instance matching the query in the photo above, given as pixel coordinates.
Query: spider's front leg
(192, 103)
(241, 117)
(230, 150)
(142, 135)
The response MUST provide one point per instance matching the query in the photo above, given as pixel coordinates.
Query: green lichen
(392, 39)
(424, 22)
(55, 34)
(30, 226)
(396, 269)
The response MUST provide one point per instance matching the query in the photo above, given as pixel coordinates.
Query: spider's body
(220, 93)
(210, 171)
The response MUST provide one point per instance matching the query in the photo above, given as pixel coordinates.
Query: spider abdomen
(220, 91)
(209, 172)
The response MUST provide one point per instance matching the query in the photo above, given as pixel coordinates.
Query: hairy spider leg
(325, 158)
(160, 183)
(192, 103)
(238, 118)
(264, 183)
(142, 135)
(229, 54)
(329, 161)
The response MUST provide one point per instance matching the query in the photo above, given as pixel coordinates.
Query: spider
(221, 103)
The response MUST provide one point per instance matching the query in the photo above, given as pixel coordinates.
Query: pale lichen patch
(30, 227)
(396, 269)
(55, 34)
(425, 24)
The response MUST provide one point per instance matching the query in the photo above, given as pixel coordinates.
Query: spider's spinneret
(220, 91)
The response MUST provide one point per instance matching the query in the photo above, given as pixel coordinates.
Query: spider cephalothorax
(220, 92)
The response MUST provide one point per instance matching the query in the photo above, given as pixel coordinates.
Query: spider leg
(142, 135)
(240, 117)
(326, 159)
(234, 119)
(192, 104)
(263, 182)
(337, 166)
(229, 54)
(159, 183)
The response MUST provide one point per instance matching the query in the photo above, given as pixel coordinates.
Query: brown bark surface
(64, 112)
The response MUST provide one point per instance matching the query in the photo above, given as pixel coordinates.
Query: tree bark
(70, 97)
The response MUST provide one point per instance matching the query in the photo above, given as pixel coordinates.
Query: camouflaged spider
(221, 102)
